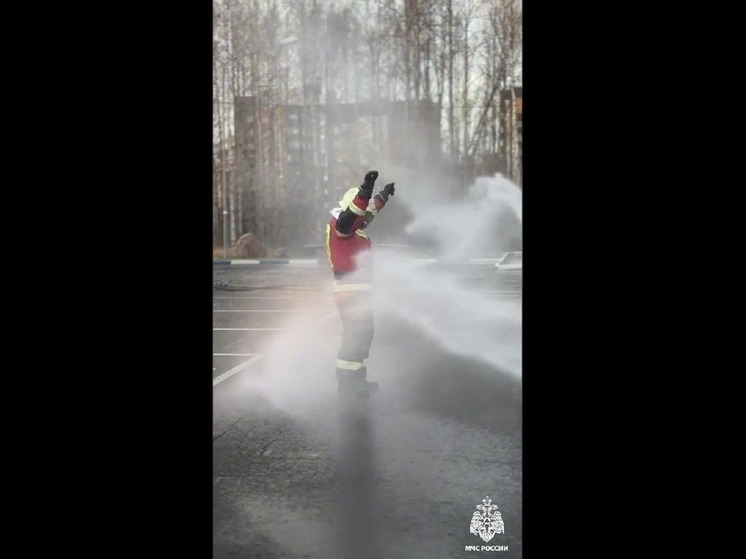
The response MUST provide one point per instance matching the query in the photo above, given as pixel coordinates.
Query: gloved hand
(369, 181)
(387, 191)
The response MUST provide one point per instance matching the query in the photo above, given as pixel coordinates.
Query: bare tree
(316, 81)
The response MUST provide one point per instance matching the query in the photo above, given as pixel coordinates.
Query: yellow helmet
(349, 196)
(347, 199)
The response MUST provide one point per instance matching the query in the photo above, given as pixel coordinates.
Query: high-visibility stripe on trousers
(350, 365)
(342, 287)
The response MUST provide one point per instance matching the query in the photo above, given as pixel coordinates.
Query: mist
(436, 299)
(478, 226)
(426, 294)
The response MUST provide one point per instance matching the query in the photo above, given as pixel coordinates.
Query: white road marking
(274, 297)
(261, 310)
(256, 357)
(249, 329)
(273, 261)
(237, 369)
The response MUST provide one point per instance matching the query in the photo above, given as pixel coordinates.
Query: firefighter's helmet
(349, 196)
(347, 199)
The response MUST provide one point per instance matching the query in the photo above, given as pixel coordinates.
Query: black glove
(387, 191)
(369, 181)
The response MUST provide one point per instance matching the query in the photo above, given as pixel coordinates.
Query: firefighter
(350, 260)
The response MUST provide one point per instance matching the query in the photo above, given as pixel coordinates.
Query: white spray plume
(437, 300)
(470, 228)
(433, 300)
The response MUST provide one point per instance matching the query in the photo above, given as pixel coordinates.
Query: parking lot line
(256, 357)
(238, 368)
(249, 329)
(262, 310)
(275, 297)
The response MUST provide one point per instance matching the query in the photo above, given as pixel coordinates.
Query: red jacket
(343, 248)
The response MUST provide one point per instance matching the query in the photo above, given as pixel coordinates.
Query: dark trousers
(356, 313)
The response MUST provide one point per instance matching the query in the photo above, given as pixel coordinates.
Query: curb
(315, 261)
(267, 261)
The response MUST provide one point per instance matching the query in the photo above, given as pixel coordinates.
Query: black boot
(353, 385)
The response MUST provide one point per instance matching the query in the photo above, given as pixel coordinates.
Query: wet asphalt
(296, 476)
